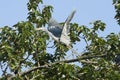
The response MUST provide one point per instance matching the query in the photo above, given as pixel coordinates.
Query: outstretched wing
(69, 18)
(55, 28)
(64, 36)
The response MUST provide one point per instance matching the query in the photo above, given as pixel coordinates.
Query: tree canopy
(24, 55)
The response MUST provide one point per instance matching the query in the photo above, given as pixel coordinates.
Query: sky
(87, 11)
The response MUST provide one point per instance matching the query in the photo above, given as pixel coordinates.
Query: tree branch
(46, 66)
(83, 58)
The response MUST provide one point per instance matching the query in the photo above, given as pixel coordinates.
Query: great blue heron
(58, 32)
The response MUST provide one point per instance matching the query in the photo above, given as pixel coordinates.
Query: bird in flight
(58, 32)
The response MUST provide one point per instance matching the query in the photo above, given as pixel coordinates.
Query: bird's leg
(72, 50)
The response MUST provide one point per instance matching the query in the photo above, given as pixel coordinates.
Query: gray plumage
(55, 28)
(58, 32)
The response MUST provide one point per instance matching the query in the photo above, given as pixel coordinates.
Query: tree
(23, 50)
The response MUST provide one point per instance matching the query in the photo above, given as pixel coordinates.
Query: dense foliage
(24, 56)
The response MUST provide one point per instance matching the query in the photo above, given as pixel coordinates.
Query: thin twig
(17, 68)
(3, 70)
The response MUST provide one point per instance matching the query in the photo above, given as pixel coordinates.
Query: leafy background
(22, 48)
